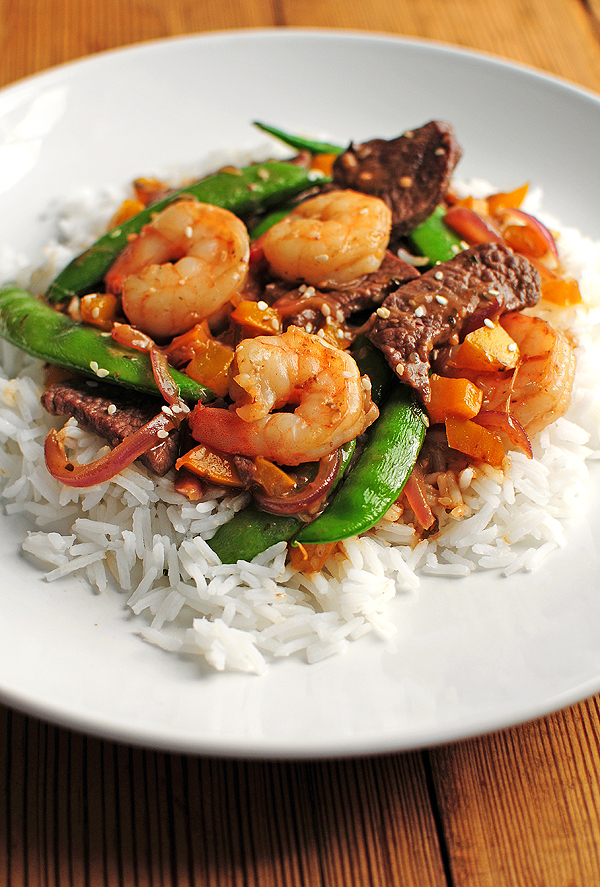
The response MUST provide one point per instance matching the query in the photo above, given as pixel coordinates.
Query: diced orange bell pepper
(310, 558)
(210, 366)
(128, 209)
(487, 349)
(274, 480)
(507, 200)
(453, 397)
(323, 163)
(561, 292)
(207, 359)
(474, 440)
(218, 468)
(99, 309)
(257, 318)
(147, 190)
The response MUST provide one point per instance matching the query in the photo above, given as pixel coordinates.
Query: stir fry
(324, 332)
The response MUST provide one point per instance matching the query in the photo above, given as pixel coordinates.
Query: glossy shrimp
(330, 240)
(332, 404)
(182, 268)
(540, 390)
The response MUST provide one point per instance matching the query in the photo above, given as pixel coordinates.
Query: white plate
(471, 655)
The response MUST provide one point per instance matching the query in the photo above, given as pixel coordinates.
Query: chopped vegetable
(218, 468)
(53, 337)
(487, 349)
(466, 436)
(434, 239)
(453, 397)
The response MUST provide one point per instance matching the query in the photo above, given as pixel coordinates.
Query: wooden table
(520, 808)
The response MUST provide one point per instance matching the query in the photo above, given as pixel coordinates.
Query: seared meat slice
(444, 303)
(410, 173)
(93, 405)
(302, 306)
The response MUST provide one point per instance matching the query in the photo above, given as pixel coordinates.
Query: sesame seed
(321, 334)
(162, 433)
(95, 312)
(421, 311)
(322, 258)
(493, 291)
(102, 373)
(439, 275)
(347, 374)
(365, 176)
(112, 409)
(439, 152)
(93, 366)
(309, 328)
(383, 312)
(339, 315)
(167, 410)
(489, 323)
(339, 334)
(366, 383)
(189, 231)
(263, 174)
(512, 346)
(309, 291)
(408, 134)
(325, 310)
(441, 300)
(115, 233)
(262, 306)
(275, 323)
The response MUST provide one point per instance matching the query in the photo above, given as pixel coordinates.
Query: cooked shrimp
(182, 267)
(540, 390)
(271, 372)
(330, 240)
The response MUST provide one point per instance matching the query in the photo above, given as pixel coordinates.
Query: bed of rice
(137, 534)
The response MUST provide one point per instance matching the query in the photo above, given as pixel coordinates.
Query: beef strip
(302, 306)
(89, 402)
(438, 307)
(410, 173)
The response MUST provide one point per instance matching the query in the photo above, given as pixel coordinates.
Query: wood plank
(559, 36)
(522, 806)
(37, 34)
(75, 810)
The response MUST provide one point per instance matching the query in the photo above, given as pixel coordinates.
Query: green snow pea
(252, 530)
(244, 192)
(434, 239)
(378, 476)
(35, 327)
(299, 143)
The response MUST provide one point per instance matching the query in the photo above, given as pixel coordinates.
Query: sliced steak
(410, 173)
(92, 404)
(441, 304)
(302, 306)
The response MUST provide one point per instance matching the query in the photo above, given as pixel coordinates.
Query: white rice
(136, 533)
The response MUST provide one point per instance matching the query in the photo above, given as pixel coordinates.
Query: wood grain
(558, 36)
(519, 807)
(78, 811)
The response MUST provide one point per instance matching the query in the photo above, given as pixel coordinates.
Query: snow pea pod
(251, 530)
(35, 327)
(299, 143)
(243, 191)
(378, 476)
(434, 239)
